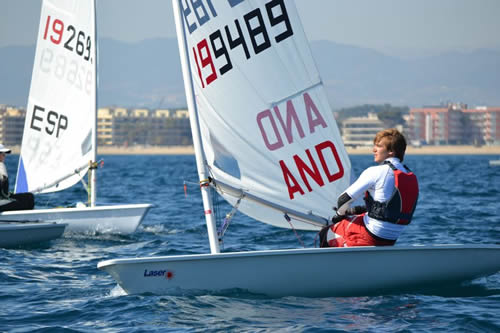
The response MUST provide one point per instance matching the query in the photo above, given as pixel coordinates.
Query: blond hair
(395, 141)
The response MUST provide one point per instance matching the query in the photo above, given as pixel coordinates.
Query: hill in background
(148, 74)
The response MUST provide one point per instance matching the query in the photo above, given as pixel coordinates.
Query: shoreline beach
(424, 150)
(436, 150)
(189, 150)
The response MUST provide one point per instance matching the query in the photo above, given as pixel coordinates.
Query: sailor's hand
(338, 218)
(356, 210)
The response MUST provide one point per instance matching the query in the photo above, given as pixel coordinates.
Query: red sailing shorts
(352, 232)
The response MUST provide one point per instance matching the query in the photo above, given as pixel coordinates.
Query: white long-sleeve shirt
(379, 182)
(3, 170)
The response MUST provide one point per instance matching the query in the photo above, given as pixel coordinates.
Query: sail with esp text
(61, 113)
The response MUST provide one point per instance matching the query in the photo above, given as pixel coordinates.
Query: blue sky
(396, 27)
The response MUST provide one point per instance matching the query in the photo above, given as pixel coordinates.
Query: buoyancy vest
(400, 207)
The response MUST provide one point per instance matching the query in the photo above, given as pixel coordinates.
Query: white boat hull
(121, 219)
(306, 272)
(14, 234)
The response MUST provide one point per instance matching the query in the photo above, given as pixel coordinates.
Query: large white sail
(268, 133)
(58, 140)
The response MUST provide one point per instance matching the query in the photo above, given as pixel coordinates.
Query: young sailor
(10, 201)
(390, 192)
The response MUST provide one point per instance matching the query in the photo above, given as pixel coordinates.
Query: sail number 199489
(220, 42)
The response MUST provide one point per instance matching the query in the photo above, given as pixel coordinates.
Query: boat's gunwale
(192, 257)
(76, 209)
(15, 225)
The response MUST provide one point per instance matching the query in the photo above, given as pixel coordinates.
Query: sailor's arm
(4, 187)
(343, 203)
(353, 192)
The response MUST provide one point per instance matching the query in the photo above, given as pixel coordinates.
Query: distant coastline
(146, 150)
(424, 150)
(189, 150)
(437, 150)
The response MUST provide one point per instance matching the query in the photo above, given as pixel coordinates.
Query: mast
(193, 116)
(92, 172)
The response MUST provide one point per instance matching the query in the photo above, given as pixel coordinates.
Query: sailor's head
(3, 151)
(389, 143)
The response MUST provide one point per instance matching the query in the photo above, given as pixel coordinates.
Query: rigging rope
(215, 204)
(289, 220)
(224, 223)
(227, 220)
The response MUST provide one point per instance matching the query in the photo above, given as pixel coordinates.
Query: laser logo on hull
(159, 273)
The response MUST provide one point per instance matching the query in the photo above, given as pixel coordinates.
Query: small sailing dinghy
(266, 140)
(18, 234)
(59, 141)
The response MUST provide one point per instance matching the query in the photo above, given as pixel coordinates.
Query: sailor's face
(2, 157)
(380, 152)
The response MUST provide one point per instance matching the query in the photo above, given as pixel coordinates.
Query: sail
(58, 133)
(268, 134)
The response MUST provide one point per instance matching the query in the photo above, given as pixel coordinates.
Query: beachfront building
(437, 125)
(483, 125)
(124, 127)
(11, 125)
(454, 124)
(360, 131)
(115, 126)
(104, 127)
(171, 128)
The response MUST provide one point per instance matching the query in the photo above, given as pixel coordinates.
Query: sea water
(57, 287)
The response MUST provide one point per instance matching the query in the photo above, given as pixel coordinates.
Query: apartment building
(437, 125)
(483, 124)
(115, 126)
(454, 124)
(360, 131)
(11, 125)
(162, 127)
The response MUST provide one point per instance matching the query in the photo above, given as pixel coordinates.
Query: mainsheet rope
(224, 222)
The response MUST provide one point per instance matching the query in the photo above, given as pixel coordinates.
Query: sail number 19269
(74, 41)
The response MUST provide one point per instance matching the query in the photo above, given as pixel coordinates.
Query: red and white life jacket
(400, 207)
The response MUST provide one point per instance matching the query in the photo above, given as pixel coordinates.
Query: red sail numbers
(313, 168)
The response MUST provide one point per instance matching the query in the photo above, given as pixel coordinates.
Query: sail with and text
(269, 136)
(58, 132)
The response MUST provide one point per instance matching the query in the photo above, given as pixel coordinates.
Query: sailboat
(266, 140)
(17, 234)
(59, 145)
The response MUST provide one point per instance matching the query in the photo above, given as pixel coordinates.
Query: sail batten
(295, 94)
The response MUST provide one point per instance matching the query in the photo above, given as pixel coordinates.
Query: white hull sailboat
(307, 272)
(120, 219)
(16, 234)
(59, 140)
(266, 140)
